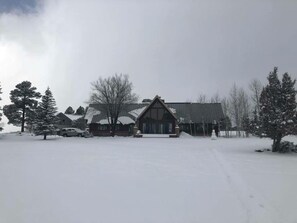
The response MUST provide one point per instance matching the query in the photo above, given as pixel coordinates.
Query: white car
(66, 132)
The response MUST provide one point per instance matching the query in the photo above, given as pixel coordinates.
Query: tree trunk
(113, 127)
(276, 143)
(23, 119)
(44, 136)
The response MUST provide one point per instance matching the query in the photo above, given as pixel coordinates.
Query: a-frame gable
(153, 102)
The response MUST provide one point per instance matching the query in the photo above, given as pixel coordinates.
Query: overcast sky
(176, 49)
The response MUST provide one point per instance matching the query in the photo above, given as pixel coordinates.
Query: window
(161, 114)
(154, 114)
(102, 127)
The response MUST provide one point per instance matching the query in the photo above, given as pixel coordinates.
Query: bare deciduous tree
(215, 98)
(244, 103)
(256, 88)
(239, 106)
(225, 106)
(202, 98)
(113, 94)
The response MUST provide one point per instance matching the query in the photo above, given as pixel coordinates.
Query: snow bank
(185, 135)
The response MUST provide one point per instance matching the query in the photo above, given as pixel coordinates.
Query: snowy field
(145, 180)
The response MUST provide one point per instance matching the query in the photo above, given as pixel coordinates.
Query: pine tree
(0, 109)
(246, 125)
(46, 115)
(278, 108)
(23, 98)
(80, 111)
(31, 115)
(288, 104)
(69, 111)
(255, 124)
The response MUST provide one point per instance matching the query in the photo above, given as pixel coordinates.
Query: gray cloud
(18, 6)
(177, 49)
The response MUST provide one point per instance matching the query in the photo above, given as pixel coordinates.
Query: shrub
(286, 147)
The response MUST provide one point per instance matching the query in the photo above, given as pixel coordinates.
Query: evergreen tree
(278, 108)
(255, 124)
(246, 125)
(23, 98)
(288, 105)
(46, 115)
(69, 111)
(0, 109)
(13, 114)
(31, 115)
(80, 111)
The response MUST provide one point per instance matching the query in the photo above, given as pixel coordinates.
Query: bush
(286, 147)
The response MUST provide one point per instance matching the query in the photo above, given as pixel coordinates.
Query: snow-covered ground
(153, 180)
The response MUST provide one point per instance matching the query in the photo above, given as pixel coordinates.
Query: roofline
(208, 103)
(157, 97)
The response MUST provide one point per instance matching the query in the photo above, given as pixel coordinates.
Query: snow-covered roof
(124, 120)
(90, 113)
(136, 112)
(73, 117)
(173, 110)
(185, 112)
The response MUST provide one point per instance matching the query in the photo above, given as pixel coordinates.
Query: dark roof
(184, 111)
(197, 112)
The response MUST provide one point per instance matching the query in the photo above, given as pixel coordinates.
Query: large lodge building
(158, 117)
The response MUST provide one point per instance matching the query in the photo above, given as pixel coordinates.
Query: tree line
(26, 109)
(238, 105)
(79, 111)
(113, 93)
(264, 111)
(267, 111)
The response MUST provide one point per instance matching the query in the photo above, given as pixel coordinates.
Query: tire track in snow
(258, 210)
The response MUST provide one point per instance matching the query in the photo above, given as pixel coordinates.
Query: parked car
(67, 132)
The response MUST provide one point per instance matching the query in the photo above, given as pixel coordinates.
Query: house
(158, 117)
(70, 120)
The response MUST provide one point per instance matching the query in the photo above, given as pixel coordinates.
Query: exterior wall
(103, 130)
(194, 129)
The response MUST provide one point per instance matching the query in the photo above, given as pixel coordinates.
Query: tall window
(157, 120)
